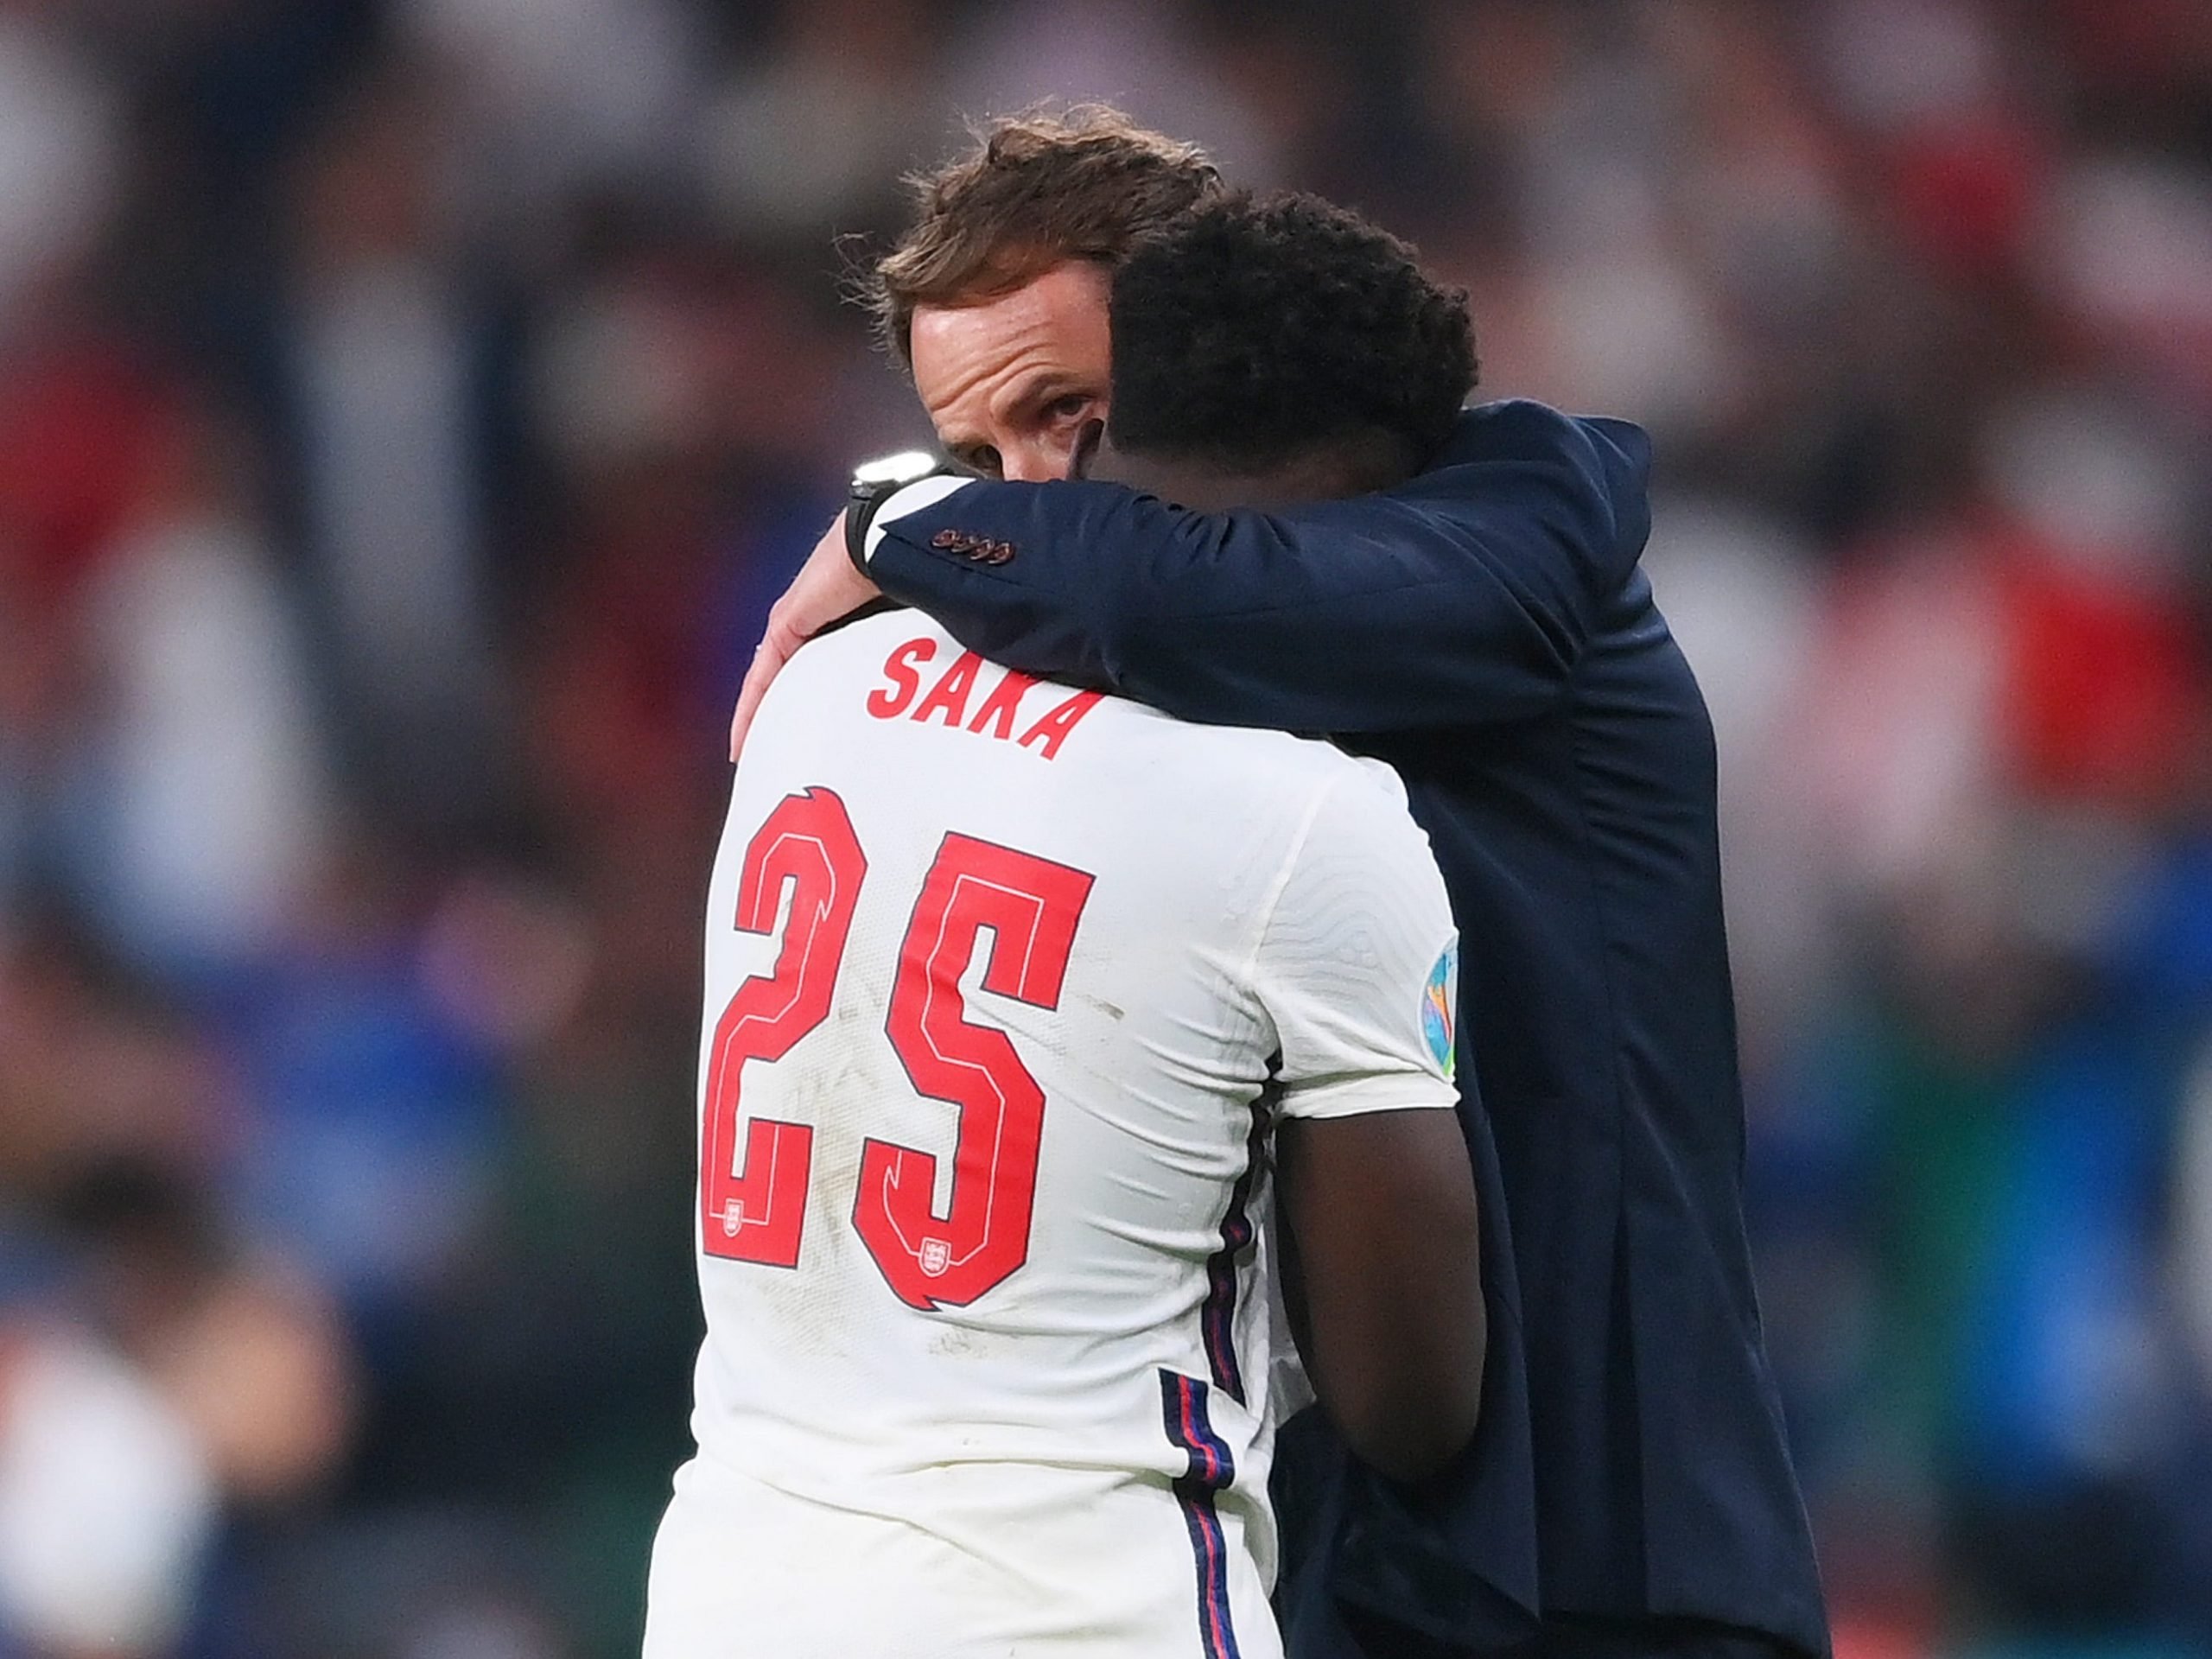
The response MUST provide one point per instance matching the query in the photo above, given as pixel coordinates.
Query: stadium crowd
(408, 408)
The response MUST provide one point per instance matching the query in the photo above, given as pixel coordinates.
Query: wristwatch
(876, 481)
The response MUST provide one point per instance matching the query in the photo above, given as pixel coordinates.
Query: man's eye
(1073, 406)
(983, 459)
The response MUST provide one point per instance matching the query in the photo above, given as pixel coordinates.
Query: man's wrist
(884, 490)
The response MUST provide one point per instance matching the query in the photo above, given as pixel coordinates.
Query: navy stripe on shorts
(1211, 1470)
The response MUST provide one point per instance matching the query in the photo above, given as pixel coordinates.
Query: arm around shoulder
(1464, 597)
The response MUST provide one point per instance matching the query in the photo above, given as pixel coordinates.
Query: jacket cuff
(923, 492)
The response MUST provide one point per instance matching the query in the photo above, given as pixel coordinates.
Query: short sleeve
(1358, 965)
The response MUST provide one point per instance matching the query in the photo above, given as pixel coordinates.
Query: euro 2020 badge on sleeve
(1438, 998)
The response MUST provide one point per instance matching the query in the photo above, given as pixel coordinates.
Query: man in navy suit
(1484, 627)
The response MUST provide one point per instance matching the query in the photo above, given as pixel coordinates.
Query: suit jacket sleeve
(1464, 597)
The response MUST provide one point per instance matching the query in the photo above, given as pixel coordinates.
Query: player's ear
(1086, 449)
(1096, 457)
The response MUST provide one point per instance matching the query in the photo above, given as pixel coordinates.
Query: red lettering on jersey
(753, 1208)
(900, 669)
(950, 693)
(1056, 725)
(1030, 907)
(1000, 706)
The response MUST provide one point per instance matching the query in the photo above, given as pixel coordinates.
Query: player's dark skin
(1381, 1266)
(1380, 1249)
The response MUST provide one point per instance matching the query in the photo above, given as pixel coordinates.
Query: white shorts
(741, 1571)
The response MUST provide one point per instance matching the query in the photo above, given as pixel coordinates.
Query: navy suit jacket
(1485, 629)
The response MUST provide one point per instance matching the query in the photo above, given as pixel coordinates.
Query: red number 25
(752, 1200)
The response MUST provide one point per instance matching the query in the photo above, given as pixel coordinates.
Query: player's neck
(1327, 471)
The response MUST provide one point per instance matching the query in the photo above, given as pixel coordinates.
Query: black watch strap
(875, 482)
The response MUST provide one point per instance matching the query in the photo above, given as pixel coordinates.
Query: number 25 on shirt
(753, 1203)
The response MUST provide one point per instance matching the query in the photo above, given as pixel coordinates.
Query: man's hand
(826, 587)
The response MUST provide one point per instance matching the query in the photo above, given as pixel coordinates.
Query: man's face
(1011, 383)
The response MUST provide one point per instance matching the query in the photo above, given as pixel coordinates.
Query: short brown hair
(1039, 189)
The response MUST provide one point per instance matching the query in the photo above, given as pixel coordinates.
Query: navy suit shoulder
(1522, 429)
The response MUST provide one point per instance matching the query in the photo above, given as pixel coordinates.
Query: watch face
(901, 468)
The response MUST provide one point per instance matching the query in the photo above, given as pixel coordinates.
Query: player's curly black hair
(1252, 330)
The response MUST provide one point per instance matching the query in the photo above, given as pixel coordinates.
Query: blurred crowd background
(408, 408)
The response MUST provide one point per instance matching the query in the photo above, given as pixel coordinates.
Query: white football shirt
(1004, 985)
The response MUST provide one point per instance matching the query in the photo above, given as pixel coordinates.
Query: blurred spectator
(212, 783)
(163, 1374)
(106, 1502)
(817, 130)
(558, 96)
(383, 345)
(60, 149)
